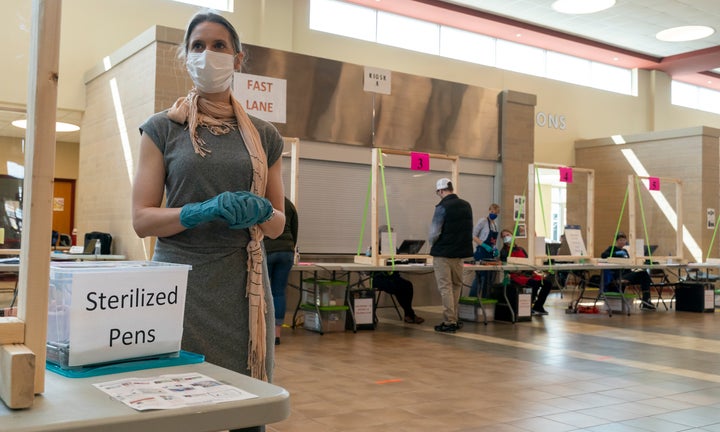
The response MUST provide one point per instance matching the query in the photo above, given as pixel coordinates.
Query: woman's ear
(239, 61)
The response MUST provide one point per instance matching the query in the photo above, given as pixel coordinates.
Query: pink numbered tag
(566, 175)
(419, 161)
(654, 183)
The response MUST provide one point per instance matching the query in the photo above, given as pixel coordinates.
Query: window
(220, 5)
(408, 33)
(520, 58)
(612, 78)
(467, 46)
(567, 68)
(692, 96)
(346, 19)
(558, 212)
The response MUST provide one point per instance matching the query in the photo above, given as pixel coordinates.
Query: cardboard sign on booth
(105, 312)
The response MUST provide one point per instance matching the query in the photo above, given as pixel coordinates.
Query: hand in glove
(244, 209)
(239, 209)
(193, 214)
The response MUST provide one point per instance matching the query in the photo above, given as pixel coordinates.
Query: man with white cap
(450, 244)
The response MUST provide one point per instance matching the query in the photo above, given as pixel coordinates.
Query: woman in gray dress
(220, 171)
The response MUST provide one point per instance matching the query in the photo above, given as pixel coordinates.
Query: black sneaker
(646, 305)
(539, 311)
(446, 328)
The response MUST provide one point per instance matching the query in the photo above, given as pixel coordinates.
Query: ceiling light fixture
(59, 126)
(684, 33)
(582, 6)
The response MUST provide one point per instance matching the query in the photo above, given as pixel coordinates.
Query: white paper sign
(524, 303)
(639, 247)
(710, 217)
(126, 314)
(363, 310)
(263, 97)
(709, 299)
(540, 246)
(575, 242)
(377, 80)
(387, 247)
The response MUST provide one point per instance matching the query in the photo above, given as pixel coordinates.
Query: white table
(74, 404)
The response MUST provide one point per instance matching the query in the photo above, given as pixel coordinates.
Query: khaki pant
(448, 276)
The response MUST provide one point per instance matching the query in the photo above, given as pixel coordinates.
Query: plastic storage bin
(329, 319)
(102, 312)
(615, 301)
(469, 309)
(322, 292)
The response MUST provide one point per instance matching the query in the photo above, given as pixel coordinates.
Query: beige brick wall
(517, 114)
(119, 100)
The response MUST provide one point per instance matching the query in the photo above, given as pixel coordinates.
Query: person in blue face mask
(481, 232)
(486, 224)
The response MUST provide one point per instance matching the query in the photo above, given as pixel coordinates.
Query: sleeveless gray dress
(216, 310)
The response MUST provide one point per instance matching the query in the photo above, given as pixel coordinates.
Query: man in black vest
(450, 244)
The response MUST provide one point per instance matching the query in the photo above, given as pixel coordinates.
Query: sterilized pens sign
(125, 315)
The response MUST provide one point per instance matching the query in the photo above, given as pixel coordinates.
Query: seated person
(394, 284)
(541, 286)
(631, 277)
(485, 252)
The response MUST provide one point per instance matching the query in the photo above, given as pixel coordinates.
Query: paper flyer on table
(171, 391)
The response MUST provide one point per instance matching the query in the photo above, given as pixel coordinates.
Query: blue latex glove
(239, 209)
(193, 214)
(245, 209)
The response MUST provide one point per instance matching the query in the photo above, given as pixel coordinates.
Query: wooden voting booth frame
(375, 258)
(638, 256)
(294, 144)
(22, 339)
(534, 258)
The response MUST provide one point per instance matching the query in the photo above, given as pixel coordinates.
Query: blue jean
(481, 284)
(279, 265)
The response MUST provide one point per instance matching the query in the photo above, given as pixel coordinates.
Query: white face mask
(507, 239)
(211, 71)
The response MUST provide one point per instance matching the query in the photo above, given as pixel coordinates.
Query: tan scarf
(219, 119)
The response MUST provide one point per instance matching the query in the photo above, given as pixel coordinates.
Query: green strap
(387, 208)
(712, 240)
(542, 213)
(365, 214)
(617, 228)
(642, 216)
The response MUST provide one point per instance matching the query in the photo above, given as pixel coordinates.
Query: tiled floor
(651, 371)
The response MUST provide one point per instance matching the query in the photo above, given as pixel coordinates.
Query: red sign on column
(419, 161)
(566, 175)
(654, 183)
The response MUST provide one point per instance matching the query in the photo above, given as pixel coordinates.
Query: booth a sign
(377, 80)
